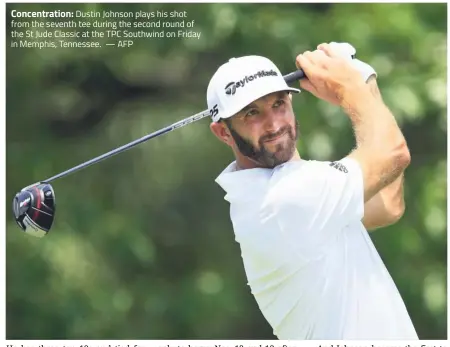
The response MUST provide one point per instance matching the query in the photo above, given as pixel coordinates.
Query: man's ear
(222, 132)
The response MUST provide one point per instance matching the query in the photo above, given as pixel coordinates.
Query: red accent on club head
(36, 212)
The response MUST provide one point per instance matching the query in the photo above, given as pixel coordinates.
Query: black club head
(34, 209)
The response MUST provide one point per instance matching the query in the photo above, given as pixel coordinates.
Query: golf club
(34, 206)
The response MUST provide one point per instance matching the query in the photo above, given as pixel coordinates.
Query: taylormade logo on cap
(230, 88)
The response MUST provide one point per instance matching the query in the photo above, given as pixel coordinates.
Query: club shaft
(289, 78)
(123, 148)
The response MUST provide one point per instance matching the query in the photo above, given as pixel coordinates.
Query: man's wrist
(359, 100)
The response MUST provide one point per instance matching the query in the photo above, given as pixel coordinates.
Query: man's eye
(252, 112)
(278, 103)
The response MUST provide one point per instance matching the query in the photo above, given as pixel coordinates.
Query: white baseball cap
(239, 82)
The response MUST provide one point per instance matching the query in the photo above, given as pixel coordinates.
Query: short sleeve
(320, 195)
(342, 191)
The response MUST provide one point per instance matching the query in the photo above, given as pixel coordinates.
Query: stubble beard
(282, 153)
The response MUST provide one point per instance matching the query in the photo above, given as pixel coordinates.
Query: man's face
(266, 130)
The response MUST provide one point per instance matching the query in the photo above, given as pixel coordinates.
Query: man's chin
(283, 159)
(268, 154)
(271, 160)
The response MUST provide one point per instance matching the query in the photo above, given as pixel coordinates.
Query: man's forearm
(393, 193)
(375, 127)
(393, 190)
(377, 133)
(386, 207)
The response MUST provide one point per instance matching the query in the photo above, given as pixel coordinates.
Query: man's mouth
(275, 138)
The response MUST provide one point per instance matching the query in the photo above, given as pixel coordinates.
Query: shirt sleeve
(341, 187)
(320, 196)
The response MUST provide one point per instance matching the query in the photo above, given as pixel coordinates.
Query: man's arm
(381, 152)
(388, 205)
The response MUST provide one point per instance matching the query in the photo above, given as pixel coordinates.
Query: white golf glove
(347, 51)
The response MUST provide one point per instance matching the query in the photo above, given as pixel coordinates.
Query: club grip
(294, 76)
(299, 74)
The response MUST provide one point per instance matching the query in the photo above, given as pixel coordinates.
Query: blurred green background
(142, 246)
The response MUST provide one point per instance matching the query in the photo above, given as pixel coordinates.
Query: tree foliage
(142, 246)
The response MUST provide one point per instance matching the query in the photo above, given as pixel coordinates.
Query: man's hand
(330, 76)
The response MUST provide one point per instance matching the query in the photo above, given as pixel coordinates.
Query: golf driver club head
(34, 209)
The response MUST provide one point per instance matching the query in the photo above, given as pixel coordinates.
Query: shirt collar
(238, 182)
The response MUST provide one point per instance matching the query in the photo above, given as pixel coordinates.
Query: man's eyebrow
(278, 95)
(281, 94)
(246, 108)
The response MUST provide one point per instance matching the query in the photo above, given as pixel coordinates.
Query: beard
(282, 153)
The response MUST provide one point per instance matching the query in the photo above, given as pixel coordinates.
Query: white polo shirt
(309, 261)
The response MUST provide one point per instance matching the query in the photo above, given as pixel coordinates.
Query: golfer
(302, 225)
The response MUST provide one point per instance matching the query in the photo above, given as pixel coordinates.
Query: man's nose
(273, 121)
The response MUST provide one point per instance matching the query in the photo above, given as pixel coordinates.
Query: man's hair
(227, 121)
